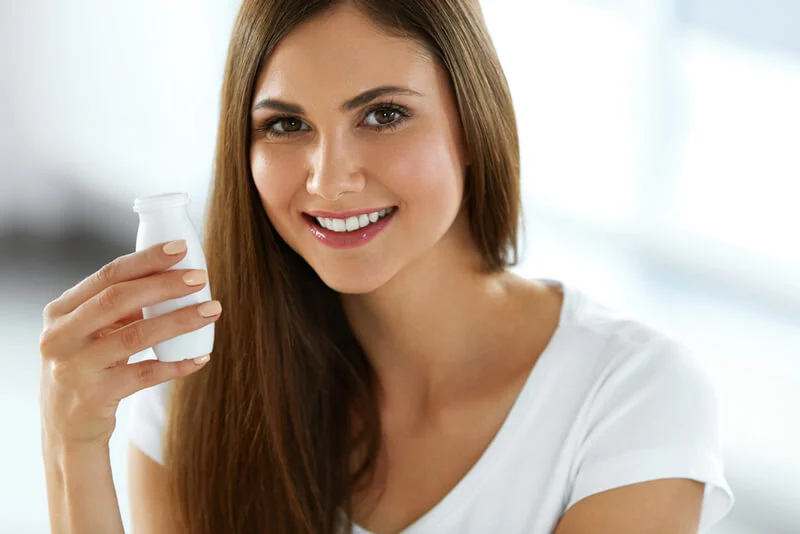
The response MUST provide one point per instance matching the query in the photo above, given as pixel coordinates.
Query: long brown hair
(263, 439)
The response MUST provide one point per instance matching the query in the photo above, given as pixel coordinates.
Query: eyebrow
(357, 101)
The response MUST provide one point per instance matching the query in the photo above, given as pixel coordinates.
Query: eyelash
(403, 113)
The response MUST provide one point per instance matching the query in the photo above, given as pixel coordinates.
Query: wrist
(65, 452)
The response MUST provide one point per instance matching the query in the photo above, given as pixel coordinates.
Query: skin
(426, 316)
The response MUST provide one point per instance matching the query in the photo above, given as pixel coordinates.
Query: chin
(353, 283)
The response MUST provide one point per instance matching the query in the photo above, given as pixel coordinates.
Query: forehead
(339, 54)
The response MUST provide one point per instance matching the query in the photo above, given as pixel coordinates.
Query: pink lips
(353, 239)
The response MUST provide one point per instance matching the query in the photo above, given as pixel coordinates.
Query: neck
(428, 330)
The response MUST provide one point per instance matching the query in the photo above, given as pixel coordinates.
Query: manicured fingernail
(195, 278)
(174, 247)
(208, 309)
(202, 359)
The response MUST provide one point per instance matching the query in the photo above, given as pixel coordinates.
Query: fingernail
(174, 247)
(202, 359)
(195, 278)
(207, 309)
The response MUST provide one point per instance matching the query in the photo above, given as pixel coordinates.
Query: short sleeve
(147, 422)
(654, 416)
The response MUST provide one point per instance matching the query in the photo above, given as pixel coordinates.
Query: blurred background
(659, 160)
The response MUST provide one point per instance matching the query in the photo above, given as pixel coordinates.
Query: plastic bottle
(166, 218)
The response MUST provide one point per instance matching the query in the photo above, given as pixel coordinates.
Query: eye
(386, 116)
(285, 126)
(382, 116)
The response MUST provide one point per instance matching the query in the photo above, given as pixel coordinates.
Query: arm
(665, 506)
(89, 334)
(80, 490)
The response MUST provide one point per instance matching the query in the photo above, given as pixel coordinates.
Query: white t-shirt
(610, 402)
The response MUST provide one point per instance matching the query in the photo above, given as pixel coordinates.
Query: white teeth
(352, 223)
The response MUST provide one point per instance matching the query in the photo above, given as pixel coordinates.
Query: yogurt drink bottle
(166, 218)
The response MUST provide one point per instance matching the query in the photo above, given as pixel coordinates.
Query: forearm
(80, 490)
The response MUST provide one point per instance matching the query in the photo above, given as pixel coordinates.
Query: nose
(335, 171)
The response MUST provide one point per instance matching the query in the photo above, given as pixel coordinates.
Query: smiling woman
(378, 368)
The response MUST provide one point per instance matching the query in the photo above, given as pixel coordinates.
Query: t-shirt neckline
(471, 482)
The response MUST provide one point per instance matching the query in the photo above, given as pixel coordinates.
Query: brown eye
(386, 116)
(283, 126)
(290, 125)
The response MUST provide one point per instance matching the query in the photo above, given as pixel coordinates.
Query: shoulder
(620, 350)
(648, 413)
(634, 386)
(603, 355)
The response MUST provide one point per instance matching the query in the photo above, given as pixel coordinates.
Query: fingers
(93, 328)
(126, 380)
(141, 335)
(129, 267)
(126, 298)
(125, 321)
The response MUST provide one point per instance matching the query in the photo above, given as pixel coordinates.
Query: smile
(350, 232)
(353, 223)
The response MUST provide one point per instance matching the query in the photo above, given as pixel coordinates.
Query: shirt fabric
(611, 401)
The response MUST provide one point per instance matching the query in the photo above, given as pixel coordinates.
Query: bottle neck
(167, 214)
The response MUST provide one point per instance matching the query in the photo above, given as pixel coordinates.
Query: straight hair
(279, 433)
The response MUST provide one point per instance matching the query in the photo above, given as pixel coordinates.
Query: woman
(377, 366)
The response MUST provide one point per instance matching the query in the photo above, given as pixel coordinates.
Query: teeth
(352, 223)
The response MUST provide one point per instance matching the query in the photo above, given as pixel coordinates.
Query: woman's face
(324, 144)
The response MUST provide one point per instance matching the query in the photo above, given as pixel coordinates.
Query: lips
(344, 240)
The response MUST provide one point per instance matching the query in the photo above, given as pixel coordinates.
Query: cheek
(276, 177)
(424, 171)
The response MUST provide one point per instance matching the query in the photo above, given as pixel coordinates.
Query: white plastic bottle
(166, 218)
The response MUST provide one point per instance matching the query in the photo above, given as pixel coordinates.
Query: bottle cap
(159, 202)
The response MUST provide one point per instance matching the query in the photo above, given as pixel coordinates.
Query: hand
(92, 330)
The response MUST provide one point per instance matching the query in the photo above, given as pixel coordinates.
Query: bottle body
(166, 218)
